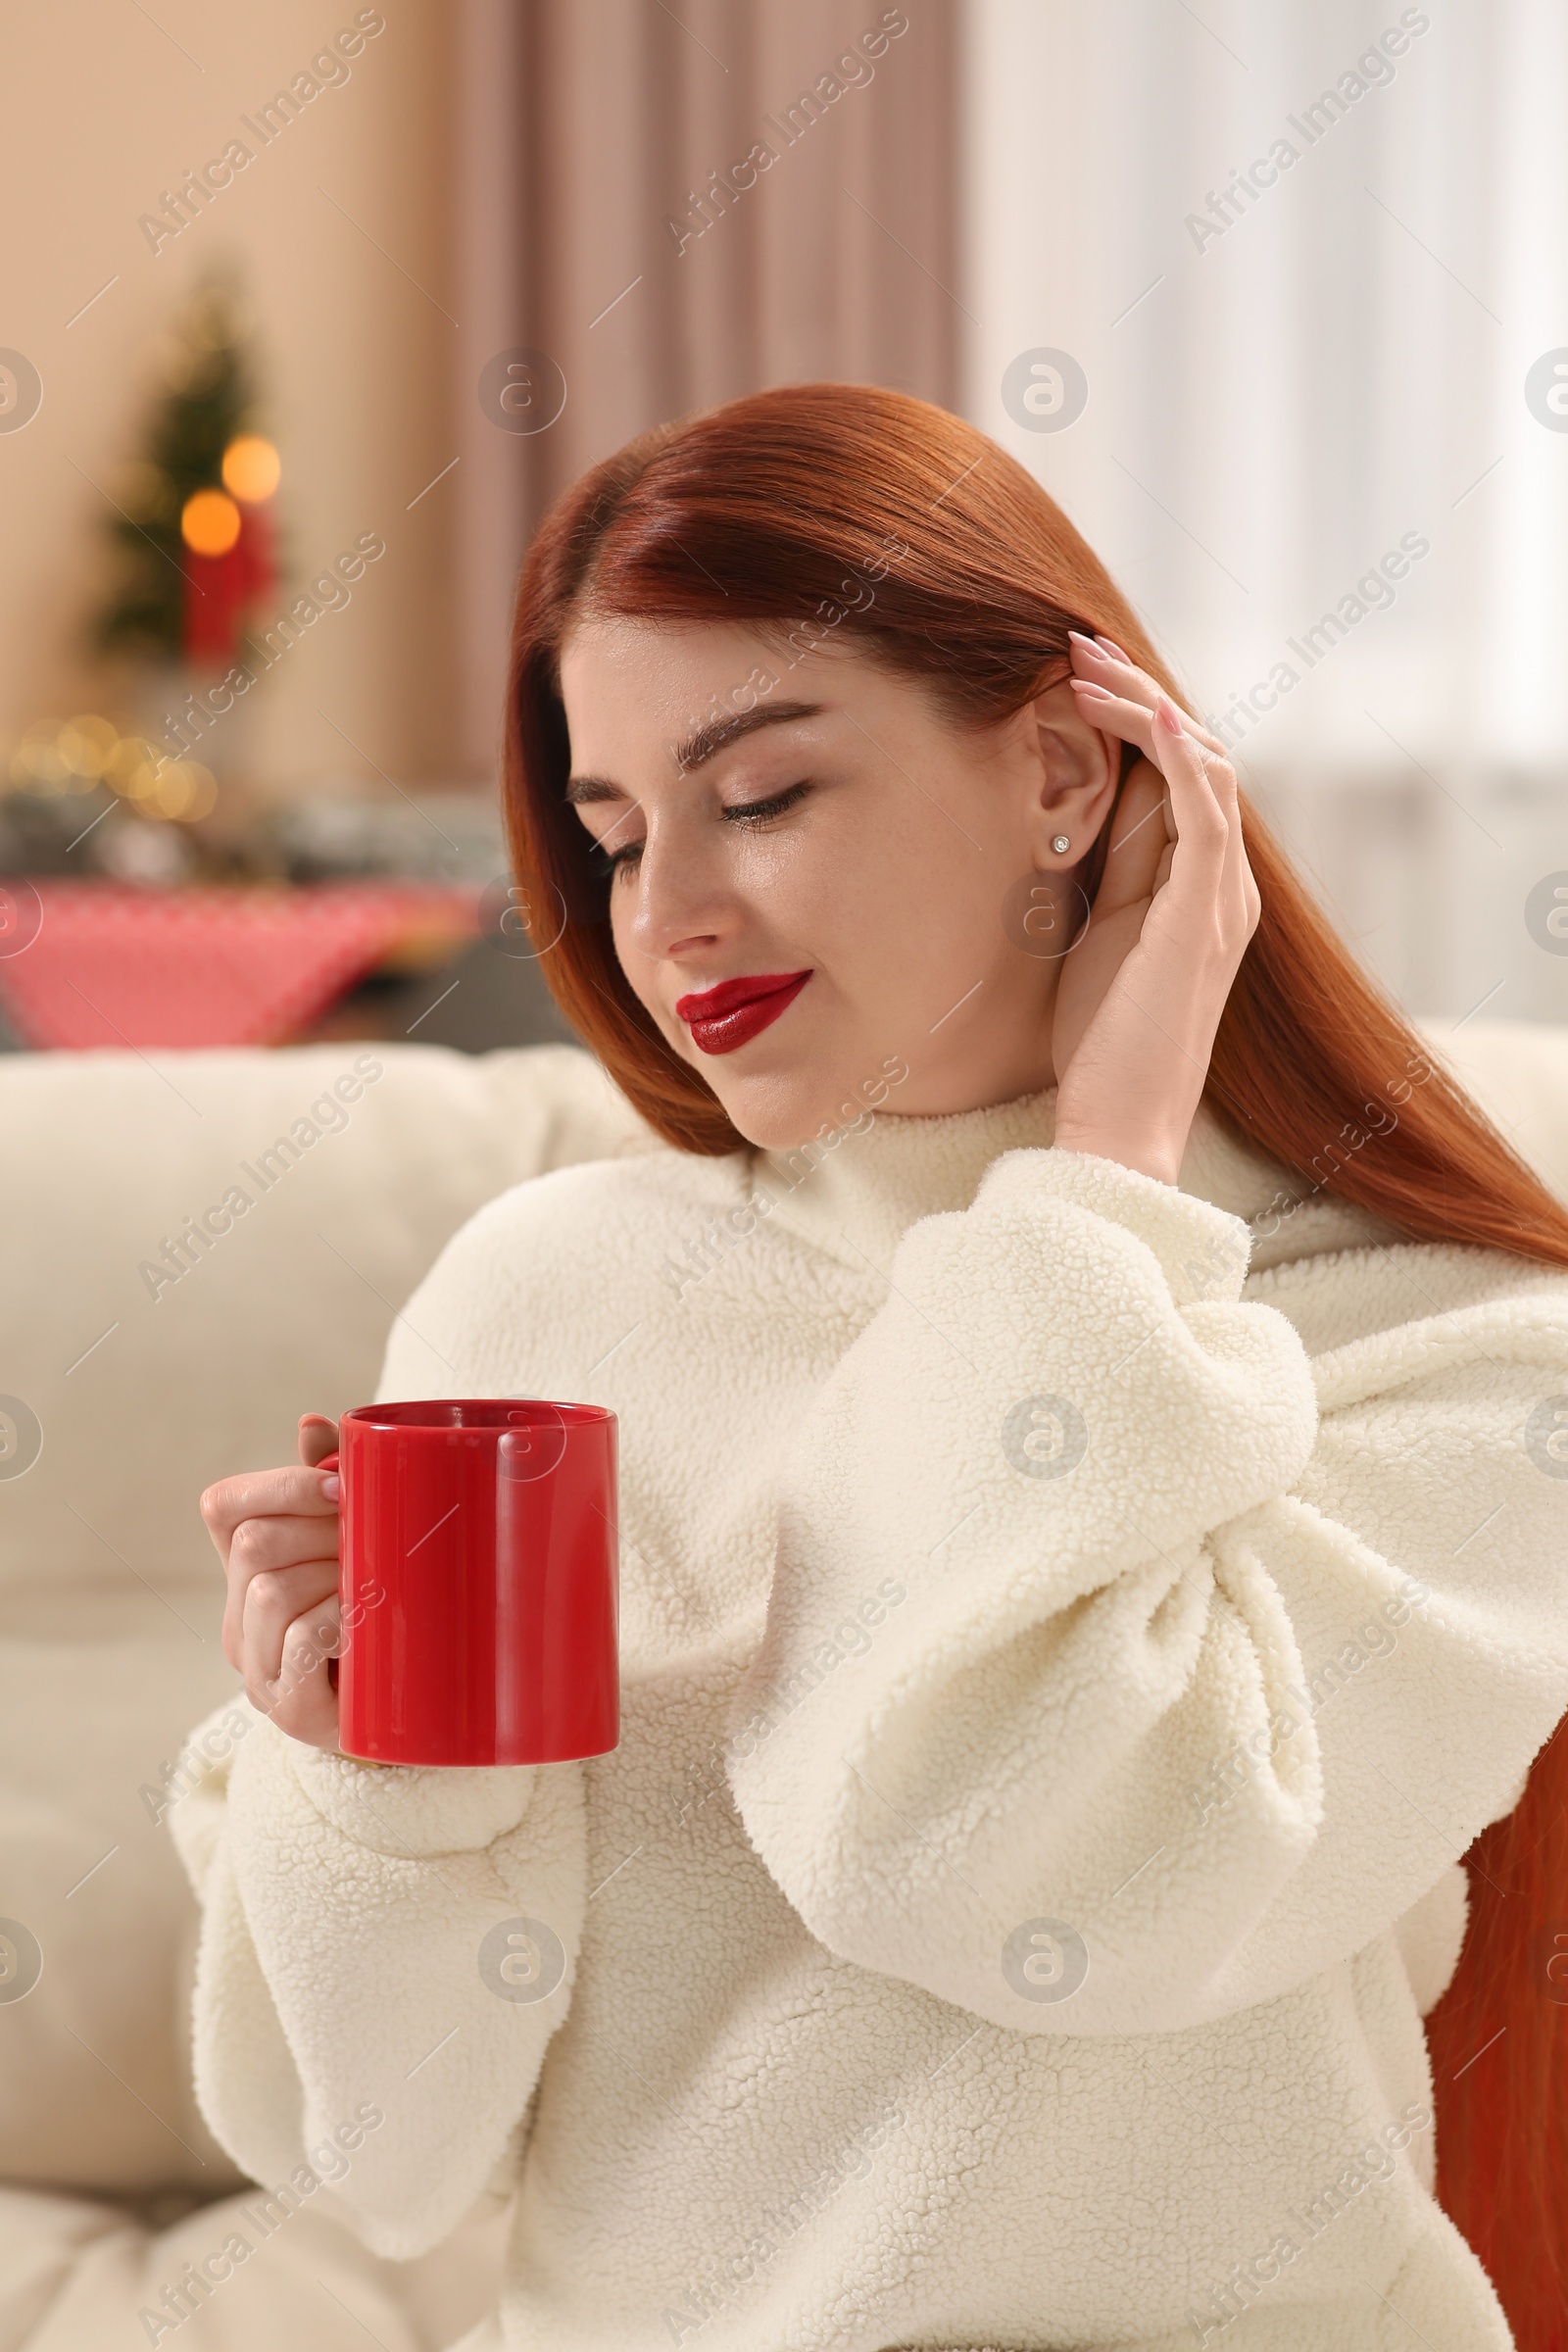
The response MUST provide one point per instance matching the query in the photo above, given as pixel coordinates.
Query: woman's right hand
(276, 1533)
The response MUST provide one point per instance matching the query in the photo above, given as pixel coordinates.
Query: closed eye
(759, 813)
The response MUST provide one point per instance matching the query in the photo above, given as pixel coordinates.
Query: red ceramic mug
(477, 1577)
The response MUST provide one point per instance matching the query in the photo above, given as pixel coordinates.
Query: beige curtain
(614, 213)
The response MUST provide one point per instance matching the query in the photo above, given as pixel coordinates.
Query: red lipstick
(734, 1012)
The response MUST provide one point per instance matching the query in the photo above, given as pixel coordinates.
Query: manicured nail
(331, 1487)
(1088, 686)
(1170, 717)
(1087, 643)
(1108, 645)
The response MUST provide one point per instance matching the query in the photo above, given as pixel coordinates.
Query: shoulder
(582, 1207)
(1381, 1288)
(1439, 1357)
(1347, 1279)
(543, 1280)
(604, 1219)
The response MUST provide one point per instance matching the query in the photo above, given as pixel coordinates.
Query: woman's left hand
(1142, 1017)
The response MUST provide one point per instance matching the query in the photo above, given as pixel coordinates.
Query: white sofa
(145, 1389)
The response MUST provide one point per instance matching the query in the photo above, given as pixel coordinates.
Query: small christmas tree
(195, 550)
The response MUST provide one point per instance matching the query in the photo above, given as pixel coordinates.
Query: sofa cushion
(1518, 1072)
(146, 1374)
(77, 2276)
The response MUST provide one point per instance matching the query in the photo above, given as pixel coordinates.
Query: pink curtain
(666, 205)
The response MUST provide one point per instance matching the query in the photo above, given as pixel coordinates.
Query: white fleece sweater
(1059, 1677)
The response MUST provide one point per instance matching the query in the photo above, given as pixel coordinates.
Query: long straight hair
(848, 513)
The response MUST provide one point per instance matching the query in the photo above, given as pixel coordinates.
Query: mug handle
(328, 1462)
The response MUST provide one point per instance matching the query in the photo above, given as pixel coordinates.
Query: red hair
(777, 509)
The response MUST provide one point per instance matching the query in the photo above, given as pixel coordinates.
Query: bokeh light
(210, 522)
(86, 744)
(252, 468)
(184, 789)
(38, 765)
(131, 767)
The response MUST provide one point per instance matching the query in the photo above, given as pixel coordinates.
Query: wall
(1280, 387)
(588, 128)
(341, 229)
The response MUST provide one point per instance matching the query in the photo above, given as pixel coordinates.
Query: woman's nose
(682, 898)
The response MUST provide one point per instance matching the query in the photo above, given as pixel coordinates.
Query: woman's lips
(734, 1012)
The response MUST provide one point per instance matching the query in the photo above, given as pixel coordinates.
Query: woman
(1092, 1541)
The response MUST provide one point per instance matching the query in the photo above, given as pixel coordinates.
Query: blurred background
(313, 312)
(309, 309)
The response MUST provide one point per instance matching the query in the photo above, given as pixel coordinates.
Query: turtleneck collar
(856, 1195)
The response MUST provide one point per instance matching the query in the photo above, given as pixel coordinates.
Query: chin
(794, 1104)
(778, 1112)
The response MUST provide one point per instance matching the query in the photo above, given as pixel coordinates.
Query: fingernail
(1169, 715)
(1088, 686)
(1078, 638)
(331, 1486)
(1108, 645)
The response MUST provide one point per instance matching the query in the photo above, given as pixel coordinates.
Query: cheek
(637, 966)
(896, 903)
(913, 909)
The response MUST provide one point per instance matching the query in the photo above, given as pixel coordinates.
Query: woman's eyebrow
(715, 737)
(720, 733)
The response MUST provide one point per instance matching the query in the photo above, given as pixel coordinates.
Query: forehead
(649, 677)
(633, 690)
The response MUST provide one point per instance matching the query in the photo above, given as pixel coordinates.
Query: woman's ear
(1077, 769)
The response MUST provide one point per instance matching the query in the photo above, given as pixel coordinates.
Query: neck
(855, 1190)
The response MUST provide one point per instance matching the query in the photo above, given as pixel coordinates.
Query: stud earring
(1062, 845)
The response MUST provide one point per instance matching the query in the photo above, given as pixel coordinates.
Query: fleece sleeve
(384, 1953)
(1125, 1666)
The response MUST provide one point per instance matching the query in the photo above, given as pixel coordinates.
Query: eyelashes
(761, 813)
(756, 816)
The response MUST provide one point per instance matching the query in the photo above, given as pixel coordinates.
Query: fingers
(1147, 1032)
(1102, 676)
(276, 1534)
(282, 1540)
(290, 1642)
(1118, 697)
(294, 1605)
(1126, 715)
(1238, 900)
(1212, 889)
(263, 1495)
(1201, 825)
(318, 1437)
(1141, 834)
(265, 1551)
(265, 1520)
